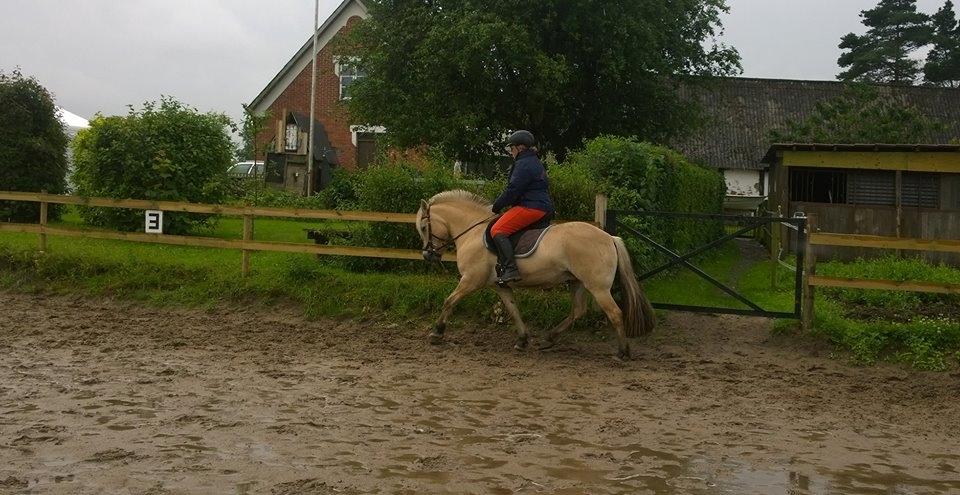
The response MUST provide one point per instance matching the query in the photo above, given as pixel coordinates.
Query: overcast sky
(101, 55)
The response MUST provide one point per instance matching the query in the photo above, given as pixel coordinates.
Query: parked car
(246, 169)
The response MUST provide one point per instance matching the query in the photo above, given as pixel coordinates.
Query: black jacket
(528, 186)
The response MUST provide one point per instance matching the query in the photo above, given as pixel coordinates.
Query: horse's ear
(423, 204)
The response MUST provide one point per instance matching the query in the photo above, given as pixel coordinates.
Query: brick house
(289, 92)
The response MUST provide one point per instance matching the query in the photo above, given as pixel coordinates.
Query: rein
(433, 253)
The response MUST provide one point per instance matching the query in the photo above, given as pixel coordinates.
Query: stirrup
(515, 277)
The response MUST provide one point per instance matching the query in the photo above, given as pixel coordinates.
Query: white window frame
(338, 63)
(358, 129)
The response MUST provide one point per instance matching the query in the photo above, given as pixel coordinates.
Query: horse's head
(434, 232)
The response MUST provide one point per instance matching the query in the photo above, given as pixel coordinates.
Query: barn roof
(739, 114)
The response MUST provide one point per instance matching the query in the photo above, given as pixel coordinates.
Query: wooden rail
(882, 242)
(247, 244)
(907, 286)
(871, 242)
(183, 207)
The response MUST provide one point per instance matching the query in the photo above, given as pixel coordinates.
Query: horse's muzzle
(431, 256)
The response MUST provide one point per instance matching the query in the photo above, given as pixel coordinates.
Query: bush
(167, 151)
(32, 146)
(646, 177)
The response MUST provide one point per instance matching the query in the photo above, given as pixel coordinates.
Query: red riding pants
(515, 219)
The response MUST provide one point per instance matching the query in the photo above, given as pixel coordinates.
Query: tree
(166, 151)
(943, 61)
(882, 55)
(253, 123)
(33, 145)
(458, 74)
(861, 115)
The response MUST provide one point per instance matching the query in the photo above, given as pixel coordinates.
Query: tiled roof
(739, 114)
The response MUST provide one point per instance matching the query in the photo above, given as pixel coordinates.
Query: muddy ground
(108, 397)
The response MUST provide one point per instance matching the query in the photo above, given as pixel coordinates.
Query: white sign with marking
(154, 221)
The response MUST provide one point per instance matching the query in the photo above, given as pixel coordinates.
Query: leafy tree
(33, 145)
(166, 151)
(253, 123)
(861, 115)
(882, 55)
(459, 73)
(943, 61)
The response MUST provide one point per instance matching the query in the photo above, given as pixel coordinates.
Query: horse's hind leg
(578, 309)
(609, 306)
(523, 337)
(467, 286)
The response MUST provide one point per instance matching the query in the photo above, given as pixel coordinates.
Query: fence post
(247, 236)
(44, 208)
(809, 269)
(774, 252)
(600, 210)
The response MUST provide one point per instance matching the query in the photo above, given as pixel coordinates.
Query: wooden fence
(812, 280)
(246, 245)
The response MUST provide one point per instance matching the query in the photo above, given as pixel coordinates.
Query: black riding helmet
(522, 137)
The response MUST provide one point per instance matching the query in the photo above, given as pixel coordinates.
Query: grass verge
(870, 325)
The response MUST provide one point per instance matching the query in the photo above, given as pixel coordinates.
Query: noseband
(434, 254)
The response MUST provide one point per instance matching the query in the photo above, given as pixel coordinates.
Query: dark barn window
(919, 189)
(812, 185)
(869, 187)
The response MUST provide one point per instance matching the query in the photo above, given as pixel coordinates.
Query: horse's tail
(638, 316)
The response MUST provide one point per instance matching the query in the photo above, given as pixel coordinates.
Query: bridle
(434, 254)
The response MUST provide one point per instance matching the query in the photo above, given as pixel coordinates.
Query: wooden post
(809, 269)
(247, 236)
(600, 211)
(899, 193)
(43, 224)
(775, 251)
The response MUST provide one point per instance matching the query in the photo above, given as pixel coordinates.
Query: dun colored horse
(577, 253)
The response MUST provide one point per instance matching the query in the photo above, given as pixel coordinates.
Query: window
(866, 187)
(348, 72)
(818, 185)
(919, 189)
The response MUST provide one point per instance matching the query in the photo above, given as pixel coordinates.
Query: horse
(577, 253)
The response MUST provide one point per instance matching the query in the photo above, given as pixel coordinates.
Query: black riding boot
(505, 260)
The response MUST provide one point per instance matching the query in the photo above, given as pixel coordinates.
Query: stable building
(738, 116)
(895, 190)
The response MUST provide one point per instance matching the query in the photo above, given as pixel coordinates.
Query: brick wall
(329, 111)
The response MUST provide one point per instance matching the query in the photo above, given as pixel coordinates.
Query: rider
(528, 197)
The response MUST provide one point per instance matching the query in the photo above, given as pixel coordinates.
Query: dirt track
(106, 397)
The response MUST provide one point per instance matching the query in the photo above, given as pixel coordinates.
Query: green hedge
(635, 175)
(646, 177)
(32, 146)
(166, 151)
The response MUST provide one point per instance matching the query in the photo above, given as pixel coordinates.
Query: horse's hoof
(435, 338)
(623, 355)
(522, 343)
(550, 343)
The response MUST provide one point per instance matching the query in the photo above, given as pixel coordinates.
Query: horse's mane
(459, 195)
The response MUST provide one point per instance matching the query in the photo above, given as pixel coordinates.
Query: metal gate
(617, 224)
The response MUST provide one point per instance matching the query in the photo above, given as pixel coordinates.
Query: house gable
(301, 60)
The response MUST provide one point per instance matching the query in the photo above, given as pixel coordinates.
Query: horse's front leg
(523, 337)
(468, 285)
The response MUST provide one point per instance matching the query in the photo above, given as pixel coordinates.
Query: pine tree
(882, 55)
(943, 62)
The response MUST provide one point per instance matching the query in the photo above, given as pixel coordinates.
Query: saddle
(525, 242)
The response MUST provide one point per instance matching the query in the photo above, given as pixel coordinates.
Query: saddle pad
(525, 243)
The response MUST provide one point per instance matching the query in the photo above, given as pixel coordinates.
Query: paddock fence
(245, 245)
